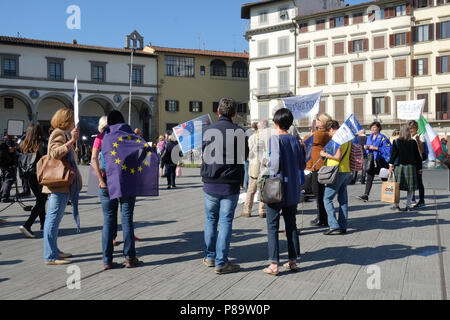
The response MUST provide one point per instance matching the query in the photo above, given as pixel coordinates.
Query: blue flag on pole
(354, 125)
(131, 165)
(189, 134)
(341, 136)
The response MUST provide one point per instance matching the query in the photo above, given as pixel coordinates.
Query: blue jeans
(339, 189)
(171, 174)
(273, 224)
(246, 178)
(110, 208)
(219, 210)
(56, 205)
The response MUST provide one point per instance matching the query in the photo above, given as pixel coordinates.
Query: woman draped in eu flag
(111, 206)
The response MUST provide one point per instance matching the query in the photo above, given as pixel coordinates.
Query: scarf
(74, 190)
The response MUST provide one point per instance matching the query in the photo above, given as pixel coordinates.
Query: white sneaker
(27, 233)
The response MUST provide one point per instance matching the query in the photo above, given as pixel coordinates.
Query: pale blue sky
(213, 24)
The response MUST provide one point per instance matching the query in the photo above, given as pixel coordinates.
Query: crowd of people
(273, 151)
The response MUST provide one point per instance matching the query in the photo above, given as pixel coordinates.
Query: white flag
(410, 110)
(304, 106)
(75, 102)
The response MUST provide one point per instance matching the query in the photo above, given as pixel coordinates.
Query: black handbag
(369, 163)
(272, 190)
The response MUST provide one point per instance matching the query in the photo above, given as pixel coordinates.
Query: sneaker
(131, 263)
(396, 208)
(208, 263)
(27, 232)
(364, 198)
(420, 204)
(57, 262)
(63, 255)
(112, 265)
(227, 268)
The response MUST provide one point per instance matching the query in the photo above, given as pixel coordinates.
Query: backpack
(27, 162)
(356, 157)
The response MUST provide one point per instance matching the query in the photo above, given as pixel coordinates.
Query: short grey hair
(173, 137)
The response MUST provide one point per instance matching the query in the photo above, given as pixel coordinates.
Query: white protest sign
(410, 110)
(304, 106)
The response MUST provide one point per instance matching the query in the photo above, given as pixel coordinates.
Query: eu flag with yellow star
(131, 164)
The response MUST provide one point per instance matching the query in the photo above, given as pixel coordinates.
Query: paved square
(402, 245)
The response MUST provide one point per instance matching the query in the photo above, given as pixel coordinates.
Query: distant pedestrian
(286, 160)
(159, 149)
(60, 147)
(339, 188)
(168, 161)
(406, 162)
(377, 153)
(222, 175)
(33, 149)
(138, 132)
(420, 143)
(256, 148)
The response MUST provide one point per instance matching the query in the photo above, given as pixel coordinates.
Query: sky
(197, 24)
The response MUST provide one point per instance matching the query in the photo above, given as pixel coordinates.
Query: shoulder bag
(329, 175)
(272, 190)
(54, 173)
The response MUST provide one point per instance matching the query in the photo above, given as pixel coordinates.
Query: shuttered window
(172, 105)
(339, 48)
(283, 80)
(358, 72)
(262, 82)
(339, 74)
(424, 96)
(303, 53)
(320, 50)
(320, 76)
(378, 68)
(339, 110)
(358, 109)
(304, 78)
(378, 42)
(320, 24)
(358, 18)
(400, 68)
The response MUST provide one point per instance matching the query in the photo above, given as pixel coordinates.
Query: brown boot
(246, 214)
(262, 214)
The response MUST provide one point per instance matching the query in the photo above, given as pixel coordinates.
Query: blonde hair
(102, 123)
(324, 118)
(63, 119)
(161, 138)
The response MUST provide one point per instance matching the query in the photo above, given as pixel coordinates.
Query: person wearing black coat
(167, 158)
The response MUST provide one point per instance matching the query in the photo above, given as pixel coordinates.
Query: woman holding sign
(377, 150)
(406, 160)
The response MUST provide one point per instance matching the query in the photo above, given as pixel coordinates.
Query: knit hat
(324, 118)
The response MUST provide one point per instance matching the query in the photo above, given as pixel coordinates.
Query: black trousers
(421, 189)
(8, 177)
(319, 191)
(171, 169)
(41, 198)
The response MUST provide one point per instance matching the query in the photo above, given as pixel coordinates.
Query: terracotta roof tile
(69, 46)
(243, 55)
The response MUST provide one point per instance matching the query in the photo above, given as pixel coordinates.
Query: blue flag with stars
(131, 165)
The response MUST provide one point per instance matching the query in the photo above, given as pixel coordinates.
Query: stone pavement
(403, 247)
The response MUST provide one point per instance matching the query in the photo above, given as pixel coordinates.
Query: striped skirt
(406, 176)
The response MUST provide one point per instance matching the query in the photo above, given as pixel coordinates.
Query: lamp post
(131, 78)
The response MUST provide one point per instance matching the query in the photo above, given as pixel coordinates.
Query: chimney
(75, 41)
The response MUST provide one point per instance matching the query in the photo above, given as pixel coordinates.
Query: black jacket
(223, 171)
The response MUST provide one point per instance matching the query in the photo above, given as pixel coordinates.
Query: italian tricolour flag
(432, 138)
